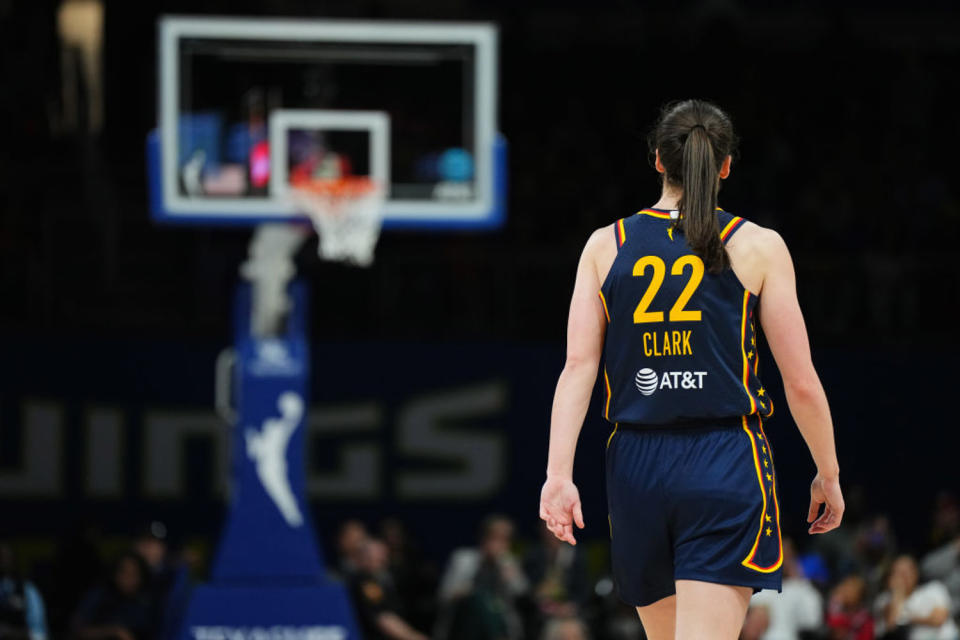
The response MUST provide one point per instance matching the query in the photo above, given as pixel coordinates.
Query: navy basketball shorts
(692, 502)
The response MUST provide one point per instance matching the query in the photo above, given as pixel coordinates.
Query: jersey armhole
(734, 225)
(620, 237)
(619, 233)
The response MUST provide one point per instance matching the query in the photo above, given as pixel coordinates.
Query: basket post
(269, 268)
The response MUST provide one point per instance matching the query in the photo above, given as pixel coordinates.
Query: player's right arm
(559, 500)
(786, 333)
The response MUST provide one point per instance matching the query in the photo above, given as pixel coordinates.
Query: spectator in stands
(906, 610)
(565, 629)
(838, 554)
(168, 579)
(22, 614)
(77, 567)
(943, 564)
(756, 623)
(119, 610)
(798, 611)
(558, 577)
(375, 596)
(481, 587)
(352, 537)
(876, 549)
(848, 617)
(151, 546)
(946, 519)
(414, 575)
(610, 617)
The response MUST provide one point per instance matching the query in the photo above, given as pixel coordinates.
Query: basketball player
(671, 296)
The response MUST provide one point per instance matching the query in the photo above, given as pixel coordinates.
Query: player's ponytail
(693, 138)
(698, 218)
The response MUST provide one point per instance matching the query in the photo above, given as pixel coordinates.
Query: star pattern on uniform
(753, 340)
(761, 392)
(766, 482)
(750, 354)
(670, 233)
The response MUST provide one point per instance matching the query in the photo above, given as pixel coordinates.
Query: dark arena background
(432, 372)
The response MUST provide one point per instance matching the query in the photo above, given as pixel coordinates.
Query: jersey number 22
(678, 312)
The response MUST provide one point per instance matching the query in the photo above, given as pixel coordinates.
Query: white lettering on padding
(269, 633)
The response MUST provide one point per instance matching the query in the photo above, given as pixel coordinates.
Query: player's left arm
(786, 333)
(559, 500)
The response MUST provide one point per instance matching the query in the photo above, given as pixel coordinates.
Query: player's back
(680, 341)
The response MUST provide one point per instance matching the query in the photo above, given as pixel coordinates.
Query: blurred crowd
(859, 583)
(136, 595)
(493, 589)
(855, 584)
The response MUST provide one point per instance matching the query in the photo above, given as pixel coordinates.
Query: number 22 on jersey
(678, 312)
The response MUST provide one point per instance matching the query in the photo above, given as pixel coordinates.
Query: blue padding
(494, 219)
(269, 610)
(198, 131)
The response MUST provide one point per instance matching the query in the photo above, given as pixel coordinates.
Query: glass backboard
(410, 103)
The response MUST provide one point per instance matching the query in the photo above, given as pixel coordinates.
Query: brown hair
(693, 138)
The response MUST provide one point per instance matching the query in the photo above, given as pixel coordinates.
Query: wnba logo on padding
(646, 381)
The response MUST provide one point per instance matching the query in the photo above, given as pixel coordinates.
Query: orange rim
(349, 186)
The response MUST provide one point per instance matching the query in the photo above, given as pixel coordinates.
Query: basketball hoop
(347, 213)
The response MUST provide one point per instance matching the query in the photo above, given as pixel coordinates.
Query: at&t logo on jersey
(648, 381)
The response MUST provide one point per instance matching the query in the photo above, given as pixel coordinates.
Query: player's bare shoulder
(754, 238)
(752, 250)
(601, 250)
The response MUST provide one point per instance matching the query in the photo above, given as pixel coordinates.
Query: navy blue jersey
(680, 341)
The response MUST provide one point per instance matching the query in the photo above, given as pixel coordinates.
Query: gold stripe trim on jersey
(653, 213)
(749, 560)
(616, 425)
(756, 370)
(603, 300)
(730, 225)
(743, 351)
(606, 379)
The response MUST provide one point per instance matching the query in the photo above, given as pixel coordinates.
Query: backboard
(248, 106)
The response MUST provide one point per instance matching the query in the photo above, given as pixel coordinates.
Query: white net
(347, 215)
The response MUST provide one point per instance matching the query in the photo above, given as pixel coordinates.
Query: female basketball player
(671, 296)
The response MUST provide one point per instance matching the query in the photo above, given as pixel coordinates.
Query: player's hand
(560, 507)
(825, 491)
